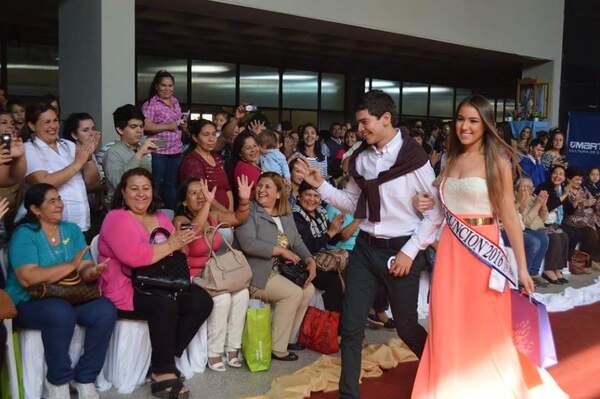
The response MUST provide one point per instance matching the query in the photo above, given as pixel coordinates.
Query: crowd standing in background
(61, 188)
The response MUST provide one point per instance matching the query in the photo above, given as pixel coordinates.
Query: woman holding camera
(270, 239)
(165, 122)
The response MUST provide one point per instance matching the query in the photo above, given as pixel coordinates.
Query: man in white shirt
(387, 172)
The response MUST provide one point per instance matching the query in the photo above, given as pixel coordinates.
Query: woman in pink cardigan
(125, 240)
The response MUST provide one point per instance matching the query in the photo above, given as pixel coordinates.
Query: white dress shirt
(398, 217)
(40, 156)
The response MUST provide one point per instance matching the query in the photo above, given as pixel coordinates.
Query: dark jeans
(165, 169)
(380, 304)
(367, 270)
(56, 319)
(172, 324)
(333, 294)
(536, 244)
(557, 255)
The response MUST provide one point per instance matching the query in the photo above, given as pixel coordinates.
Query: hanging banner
(583, 139)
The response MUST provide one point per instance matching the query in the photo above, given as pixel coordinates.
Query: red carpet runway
(577, 336)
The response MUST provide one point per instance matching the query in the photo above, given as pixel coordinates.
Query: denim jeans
(536, 244)
(56, 319)
(165, 170)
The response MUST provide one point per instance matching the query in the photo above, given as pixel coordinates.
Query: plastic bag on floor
(256, 340)
(194, 358)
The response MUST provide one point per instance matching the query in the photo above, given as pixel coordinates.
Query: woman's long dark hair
(302, 145)
(118, 201)
(181, 209)
(71, 124)
(160, 75)
(495, 149)
(34, 196)
(195, 129)
(550, 143)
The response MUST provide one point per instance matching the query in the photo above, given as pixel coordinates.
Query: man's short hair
(535, 142)
(125, 113)
(377, 103)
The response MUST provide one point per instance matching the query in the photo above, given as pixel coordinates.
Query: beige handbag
(228, 272)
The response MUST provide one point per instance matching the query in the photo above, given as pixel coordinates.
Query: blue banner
(583, 139)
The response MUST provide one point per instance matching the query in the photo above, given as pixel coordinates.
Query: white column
(96, 58)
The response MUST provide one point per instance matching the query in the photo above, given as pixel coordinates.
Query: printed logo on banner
(583, 137)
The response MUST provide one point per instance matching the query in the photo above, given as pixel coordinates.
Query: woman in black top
(317, 232)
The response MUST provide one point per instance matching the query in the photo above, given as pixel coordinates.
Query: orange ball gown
(469, 352)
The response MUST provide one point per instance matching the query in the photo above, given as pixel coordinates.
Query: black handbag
(295, 272)
(169, 277)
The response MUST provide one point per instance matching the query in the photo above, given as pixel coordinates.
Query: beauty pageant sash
(486, 251)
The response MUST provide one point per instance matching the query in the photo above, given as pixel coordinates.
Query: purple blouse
(160, 113)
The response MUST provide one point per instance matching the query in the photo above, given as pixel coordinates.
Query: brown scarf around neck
(411, 157)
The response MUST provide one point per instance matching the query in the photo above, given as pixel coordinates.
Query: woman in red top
(227, 318)
(201, 162)
(245, 157)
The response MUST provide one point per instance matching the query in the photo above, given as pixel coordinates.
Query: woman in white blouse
(58, 162)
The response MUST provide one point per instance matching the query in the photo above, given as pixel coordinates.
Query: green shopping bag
(256, 340)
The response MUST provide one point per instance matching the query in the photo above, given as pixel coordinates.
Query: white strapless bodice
(468, 195)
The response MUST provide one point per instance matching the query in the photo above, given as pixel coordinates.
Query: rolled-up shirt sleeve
(427, 229)
(345, 200)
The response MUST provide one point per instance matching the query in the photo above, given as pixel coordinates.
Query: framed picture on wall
(532, 98)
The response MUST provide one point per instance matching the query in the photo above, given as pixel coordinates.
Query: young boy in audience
(532, 163)
(271, 158)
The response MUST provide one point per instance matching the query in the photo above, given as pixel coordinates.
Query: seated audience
(128, 152)
(555, 151)
(533, 211)
(227, 318)
(580, 215)
(125, 242)
(349, 232)
(81, 129)
(295, 181)
(271, 158)
(316, 232)
(12, 165)
(269, 236)
(45, 249)
(310, 149)
(532, 163)
(17, 110)
(220, 119)
(201, 161)
(524, 141)
(58, 162)
(245, 158)
(558, 198)
(349, 141)
(334, 143)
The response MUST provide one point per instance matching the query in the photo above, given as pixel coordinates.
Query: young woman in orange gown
(469, 353)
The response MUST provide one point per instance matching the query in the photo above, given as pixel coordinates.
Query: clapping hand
(244, 188)
(78, 258)
(17, 149)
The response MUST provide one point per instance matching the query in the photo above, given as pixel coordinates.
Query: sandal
(234, 361)
(169, 389)
(290, 357)
(218, 366)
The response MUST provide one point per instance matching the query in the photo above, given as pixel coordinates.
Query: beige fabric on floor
(324, 374)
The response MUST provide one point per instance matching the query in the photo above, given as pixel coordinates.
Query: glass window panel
(509, 107)
(414, 98)
(259, 85)
(391, 87)
(326, 118)
(499, 110)
(442, 99)
(147, 66)
(213, 83)
(300, 89)
(461, 94)
(332, 91)
(367, 85)
(32, 70)
(303, 117)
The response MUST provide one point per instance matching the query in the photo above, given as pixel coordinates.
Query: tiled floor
(240, 383)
